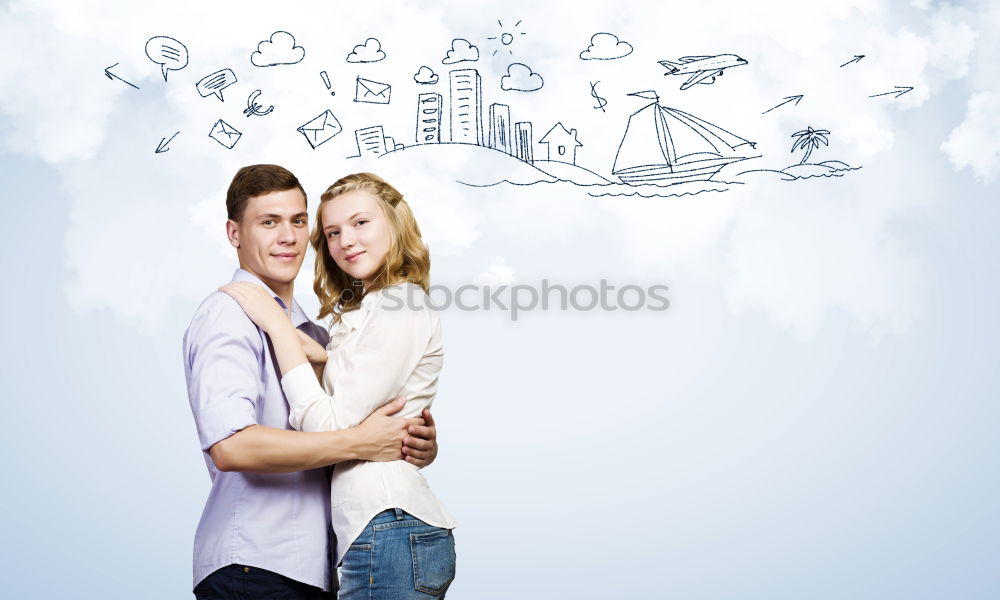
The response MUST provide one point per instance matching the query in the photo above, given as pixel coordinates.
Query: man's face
(272, 236)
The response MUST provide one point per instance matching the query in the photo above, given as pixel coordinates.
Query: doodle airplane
(703, 69)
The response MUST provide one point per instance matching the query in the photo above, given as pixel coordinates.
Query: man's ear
(233, 233)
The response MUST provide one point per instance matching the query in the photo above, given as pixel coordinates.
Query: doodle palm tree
(809, 139)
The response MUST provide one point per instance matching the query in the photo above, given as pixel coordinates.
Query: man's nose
(286, 233)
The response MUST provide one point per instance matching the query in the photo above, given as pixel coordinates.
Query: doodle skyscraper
(523, 144)
(500, 128)
(429, 118)
(465, 106)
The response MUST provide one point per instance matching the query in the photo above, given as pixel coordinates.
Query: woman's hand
(316, 354)
(259, 305)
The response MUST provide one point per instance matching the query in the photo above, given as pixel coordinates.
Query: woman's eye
(332, 234)
(361, 222)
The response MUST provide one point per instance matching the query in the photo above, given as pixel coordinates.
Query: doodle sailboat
(665, 146)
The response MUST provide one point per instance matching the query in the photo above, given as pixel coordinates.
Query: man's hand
(380, 436)
(420, 447)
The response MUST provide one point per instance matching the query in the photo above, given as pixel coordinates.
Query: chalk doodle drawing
(112, 76)
(702, 69)
(369, 52)
(326, 82)
(425, 76)
(214, 83)
(785, 101)
(606, 46)
(506, 37)
(279, 49)
(601, 102)
(561, 144)
(664, 151)
(253, 109)
(428, 118)
(372, 92)
(372, 141)
(164, 142)
(167, 52)
(461, 51)
(857, 57)
(225, 134)
(664, 146)
(807, 140)
(899, 91)
(521, 78)
(321, 129)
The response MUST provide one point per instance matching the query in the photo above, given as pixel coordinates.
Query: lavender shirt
(277, 522)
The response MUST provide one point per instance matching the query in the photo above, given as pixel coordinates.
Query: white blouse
(389, 346)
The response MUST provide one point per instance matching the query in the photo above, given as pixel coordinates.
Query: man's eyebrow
(277, 216)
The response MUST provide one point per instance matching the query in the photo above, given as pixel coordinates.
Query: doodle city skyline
(660, 146)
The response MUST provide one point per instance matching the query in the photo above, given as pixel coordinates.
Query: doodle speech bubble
(167, 52)
(215, 83)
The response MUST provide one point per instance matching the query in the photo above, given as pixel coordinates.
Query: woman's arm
(265, 311)
(367, 371)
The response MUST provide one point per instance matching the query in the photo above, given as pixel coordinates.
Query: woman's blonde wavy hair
(406, 261)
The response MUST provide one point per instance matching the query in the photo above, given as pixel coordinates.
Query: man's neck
(285, 291)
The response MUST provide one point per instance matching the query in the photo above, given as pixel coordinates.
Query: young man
(264, 530)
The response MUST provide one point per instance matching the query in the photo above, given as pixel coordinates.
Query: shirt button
(246, 569)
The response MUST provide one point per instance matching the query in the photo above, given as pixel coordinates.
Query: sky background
(813, 416)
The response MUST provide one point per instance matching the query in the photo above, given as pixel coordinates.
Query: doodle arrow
(856, 58)
(162, 146)
(112, 76)
(786, 99)
(899, 91)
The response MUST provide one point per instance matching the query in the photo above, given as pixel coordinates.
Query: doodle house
(562, 144)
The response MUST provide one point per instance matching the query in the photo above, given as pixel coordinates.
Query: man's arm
(261, 449)
(222, 349)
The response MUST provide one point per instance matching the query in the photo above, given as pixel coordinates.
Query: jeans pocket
(433, 561)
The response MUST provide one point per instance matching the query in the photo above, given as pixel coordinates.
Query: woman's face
(357, 233)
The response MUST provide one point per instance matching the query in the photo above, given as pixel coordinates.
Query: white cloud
(867, 136)
(279, 49)
(460, 51)
(498, 273)
(975, 142)
(369, 52)
(606, 46)
(521, 78)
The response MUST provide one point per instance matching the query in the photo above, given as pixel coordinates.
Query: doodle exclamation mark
(326, 82)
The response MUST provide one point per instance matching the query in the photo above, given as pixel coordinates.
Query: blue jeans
(398, 557)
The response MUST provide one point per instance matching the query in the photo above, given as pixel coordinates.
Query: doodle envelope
(321, 129)
(225, 134)
(372, 92)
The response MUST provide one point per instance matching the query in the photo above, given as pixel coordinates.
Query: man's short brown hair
(257, 180)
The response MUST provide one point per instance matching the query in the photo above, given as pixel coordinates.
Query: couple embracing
(277, 399)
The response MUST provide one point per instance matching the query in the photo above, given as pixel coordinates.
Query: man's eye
(267, 222)
(300, 221)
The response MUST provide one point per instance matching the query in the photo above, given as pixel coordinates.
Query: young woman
(372, 269)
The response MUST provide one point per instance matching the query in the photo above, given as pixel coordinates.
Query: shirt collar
(298, 315)
(354, 318)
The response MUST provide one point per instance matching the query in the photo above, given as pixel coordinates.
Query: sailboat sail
(643, 146)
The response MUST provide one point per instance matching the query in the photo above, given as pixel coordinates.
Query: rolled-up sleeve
(365, 375)
(222, 350)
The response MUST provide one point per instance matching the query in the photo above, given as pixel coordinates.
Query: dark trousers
(239, 582)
